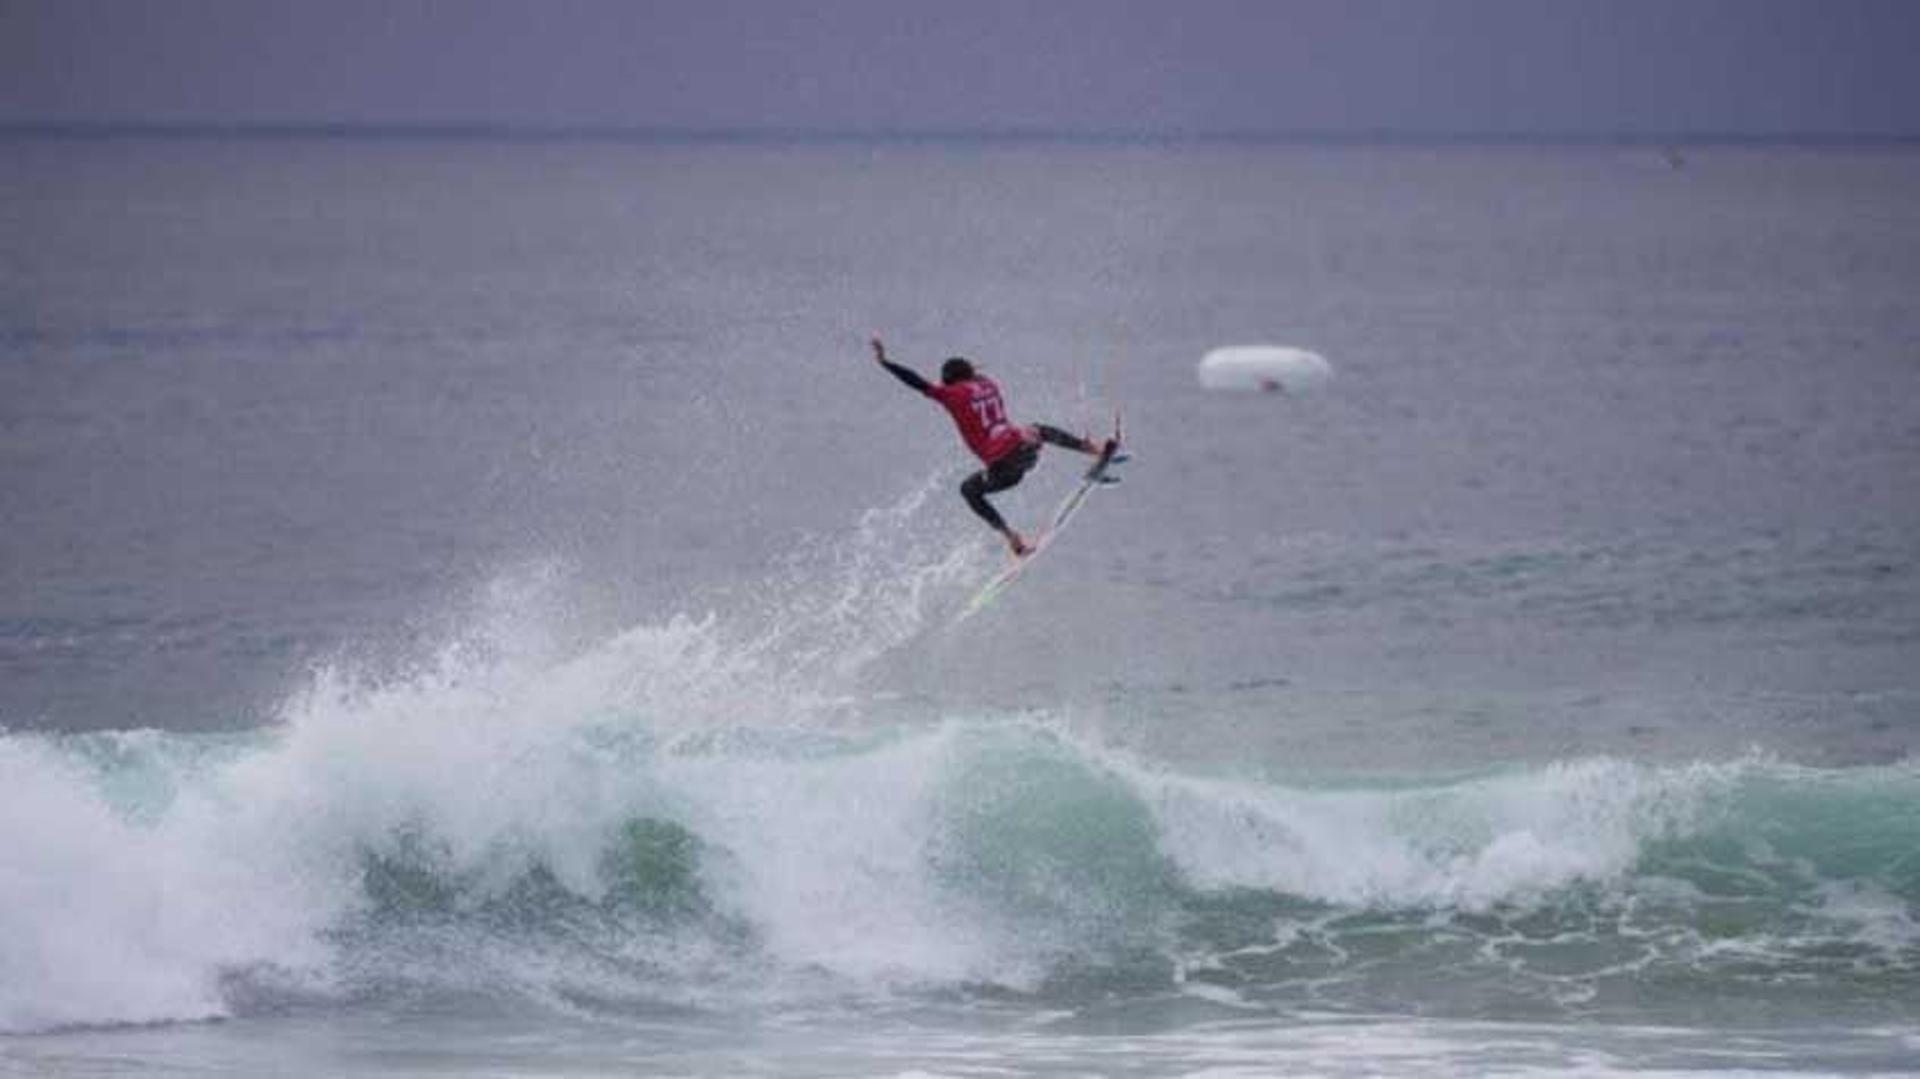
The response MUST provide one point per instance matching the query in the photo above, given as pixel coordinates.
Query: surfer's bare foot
(1018, 544)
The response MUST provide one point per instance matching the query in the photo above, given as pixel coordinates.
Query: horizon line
(478, 131)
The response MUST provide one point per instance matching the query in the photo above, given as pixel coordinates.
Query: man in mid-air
(978, 410)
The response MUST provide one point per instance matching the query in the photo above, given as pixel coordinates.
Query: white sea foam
(1466, 843)
(103, 919)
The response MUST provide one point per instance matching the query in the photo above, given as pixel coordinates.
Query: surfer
(1007, 450)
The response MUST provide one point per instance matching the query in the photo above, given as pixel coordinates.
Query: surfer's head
(955, 370)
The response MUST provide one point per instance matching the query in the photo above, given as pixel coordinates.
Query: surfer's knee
(974, 490)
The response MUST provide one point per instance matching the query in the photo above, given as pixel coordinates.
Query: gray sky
(1647, 67)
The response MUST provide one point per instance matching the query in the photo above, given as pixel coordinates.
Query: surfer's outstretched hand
(879, 348)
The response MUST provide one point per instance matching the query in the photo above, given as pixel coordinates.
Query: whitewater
(473, 608)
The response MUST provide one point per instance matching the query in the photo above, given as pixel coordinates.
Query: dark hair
(955, 370)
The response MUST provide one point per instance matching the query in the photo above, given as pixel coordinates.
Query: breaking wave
(695, 814)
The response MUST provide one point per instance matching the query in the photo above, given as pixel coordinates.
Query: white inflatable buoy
(1264, 368)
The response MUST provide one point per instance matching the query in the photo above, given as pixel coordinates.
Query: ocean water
(474, 607)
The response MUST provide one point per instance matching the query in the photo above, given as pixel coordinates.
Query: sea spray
(837, 602)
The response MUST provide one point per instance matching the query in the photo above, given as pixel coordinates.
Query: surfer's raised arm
(904, 374)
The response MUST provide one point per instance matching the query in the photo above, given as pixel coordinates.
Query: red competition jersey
(980, 413)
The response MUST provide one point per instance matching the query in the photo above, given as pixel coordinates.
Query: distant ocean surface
(474, 607)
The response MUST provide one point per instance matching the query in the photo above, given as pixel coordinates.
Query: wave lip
(1466, 845)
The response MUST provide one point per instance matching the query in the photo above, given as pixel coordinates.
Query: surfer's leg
(974, 490)
(1070, 440)
(1085, 445)
(998, 476)
(1049, 433)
